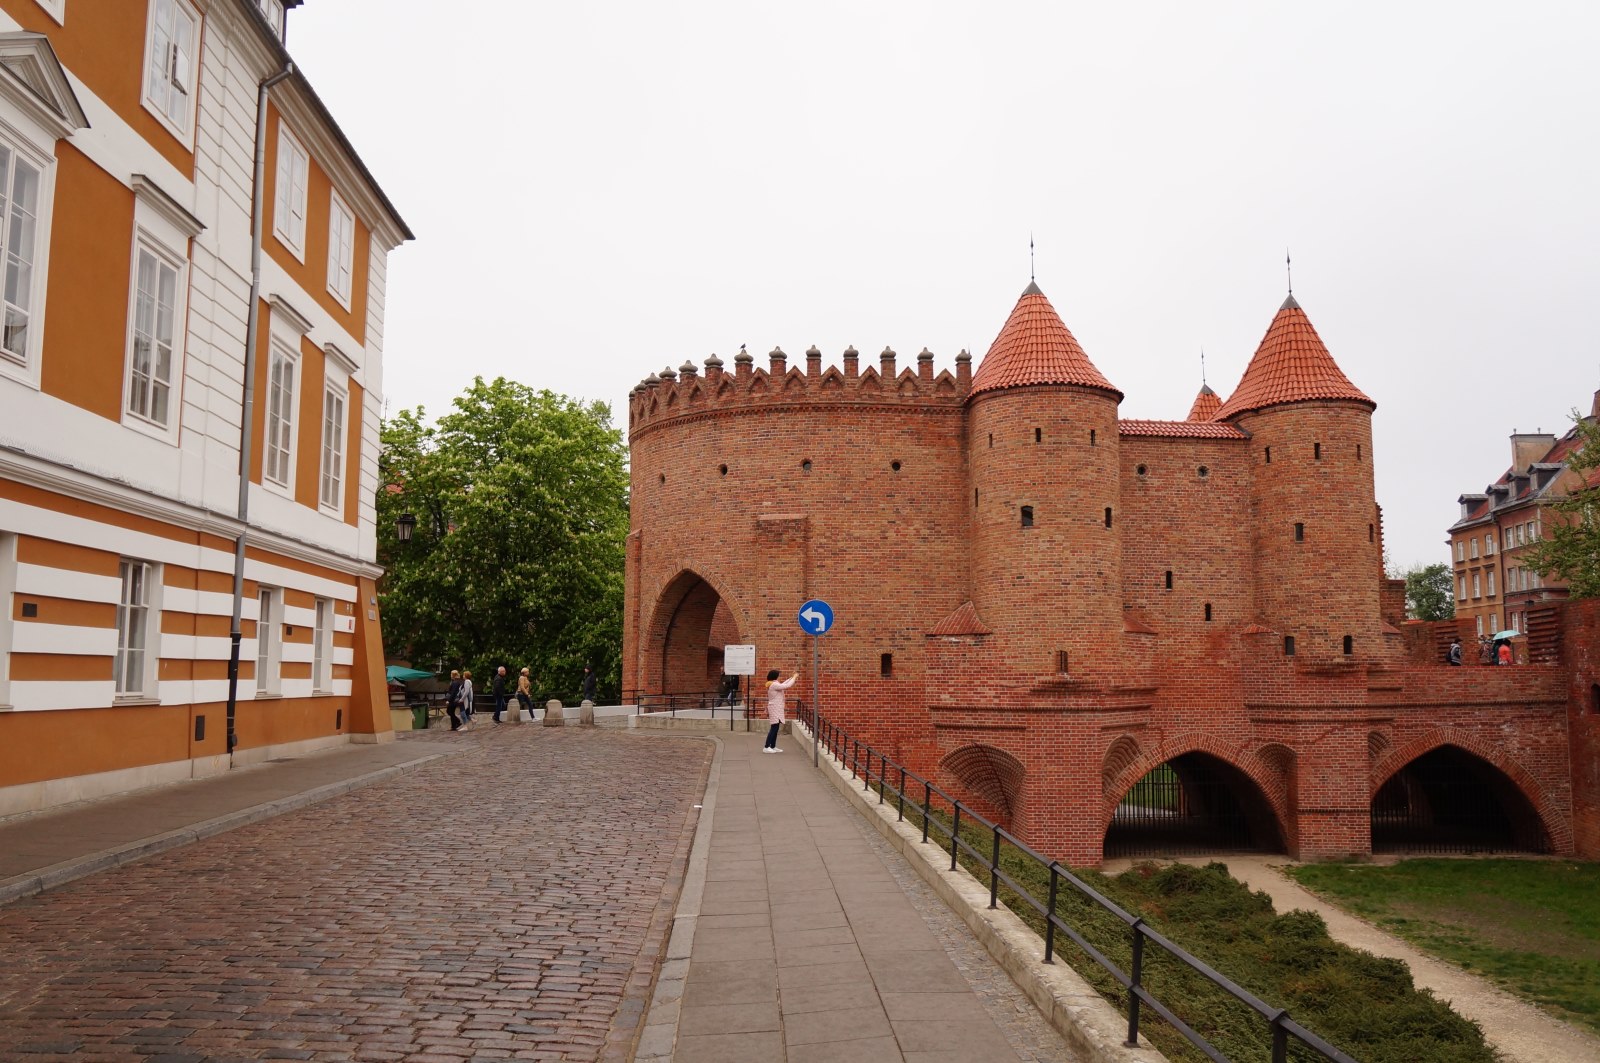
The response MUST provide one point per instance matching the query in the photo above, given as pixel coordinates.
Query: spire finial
(1288, 269)
(1031, 278)
(1202, 367)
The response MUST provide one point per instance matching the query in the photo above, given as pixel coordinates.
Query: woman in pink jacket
(775, 708)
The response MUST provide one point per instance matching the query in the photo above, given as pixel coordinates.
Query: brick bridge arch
(1266, 768)
(1555, 821)
(990, 774)
(678, 636)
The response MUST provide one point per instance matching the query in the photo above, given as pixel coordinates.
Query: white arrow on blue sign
(816, 617)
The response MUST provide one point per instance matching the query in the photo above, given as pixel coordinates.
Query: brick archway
(990, 774)
(1264, 770)
(1556, 822)
(678, 640)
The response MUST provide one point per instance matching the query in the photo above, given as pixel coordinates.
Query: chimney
(1527, 448)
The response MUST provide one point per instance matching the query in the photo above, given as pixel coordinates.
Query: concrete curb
(1088, 1022)
(68, 870)
(660, 1035)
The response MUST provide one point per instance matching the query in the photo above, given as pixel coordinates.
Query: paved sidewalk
(806, 947)
(45, 849)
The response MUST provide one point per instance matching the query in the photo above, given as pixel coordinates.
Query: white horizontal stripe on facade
(30, 695)
(299, 652)
(63, 638)
(80, 531)
(202, 603)
(297, 688)
(64, 583)
(198, 647)
(200, 691)
(341, 687)
(299, 616)
(344, 655)
(343, 624)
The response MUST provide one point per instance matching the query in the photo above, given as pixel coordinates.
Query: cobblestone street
(507, 901)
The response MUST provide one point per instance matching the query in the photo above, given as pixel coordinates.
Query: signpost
(816, 617)
(738, 660)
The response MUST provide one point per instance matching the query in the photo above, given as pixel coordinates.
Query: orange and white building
(133, 300)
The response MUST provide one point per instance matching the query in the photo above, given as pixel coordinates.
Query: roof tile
(1291, 365)
(1185, 429)
(1034, 347)
(964, 621)
(1206, 405)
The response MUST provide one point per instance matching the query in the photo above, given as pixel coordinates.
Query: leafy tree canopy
(521, 506)
(1570, 547)
(1430, 592)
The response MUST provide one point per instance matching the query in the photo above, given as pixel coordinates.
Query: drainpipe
(247, 427)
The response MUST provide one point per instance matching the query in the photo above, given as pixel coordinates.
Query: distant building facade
(1493, 586)
(128, 142)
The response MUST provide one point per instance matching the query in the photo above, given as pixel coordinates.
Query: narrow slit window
(1027, 516)
(1208, 612)
(1108, 516)
(1372, 533)
(1358, 451)
(1038, 435)
(1299, 532)
(1349, 645)
(1316, 451)
(1288, 645)
(1091, 437)
(1269, 455)
(974, 498)
(1169, 579)
(886, 665)
(1061, 662)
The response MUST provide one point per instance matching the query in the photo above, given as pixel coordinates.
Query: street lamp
(403, 527)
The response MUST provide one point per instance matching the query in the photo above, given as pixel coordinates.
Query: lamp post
(404, 525)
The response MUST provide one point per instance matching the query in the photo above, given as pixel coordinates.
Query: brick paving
(507, 902)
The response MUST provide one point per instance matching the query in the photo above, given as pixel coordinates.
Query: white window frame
(1488, 543)
(1461, 588)
(167, 67)
(272, 11)
(1474, 548)
(1491, 583)
(290, 200)
(30, 307)
(1480, 625)
(269, 642)
(8, 588)
(322, 647)
(1477, 586)
(1494, 624)
(1522, 535)
(330, 483)
(138, 620)
(146, 249)
(56, 9)
(341, 250)
(1461, 549)
(278, 443)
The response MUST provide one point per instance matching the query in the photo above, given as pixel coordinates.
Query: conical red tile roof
(1291, 365)
(1206, 405)
(964, 621)
(1035, 347)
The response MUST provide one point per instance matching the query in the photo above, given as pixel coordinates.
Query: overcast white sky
(601, 190)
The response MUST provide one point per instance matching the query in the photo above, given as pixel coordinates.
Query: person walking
(497, 687)
(588, 684)
(525, 693)
(1504, 654)
(1455, 651)
(466, 699)
(776, 707)
(452, 701)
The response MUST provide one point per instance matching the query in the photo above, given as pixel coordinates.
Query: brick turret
(1042, 450)
(1311, 493)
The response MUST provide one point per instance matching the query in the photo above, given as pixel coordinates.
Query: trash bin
(419, 716)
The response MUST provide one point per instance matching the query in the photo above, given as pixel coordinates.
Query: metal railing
(712, 701)
(860, 758)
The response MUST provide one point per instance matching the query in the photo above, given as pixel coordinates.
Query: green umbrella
(1508, 633)
(397, 674)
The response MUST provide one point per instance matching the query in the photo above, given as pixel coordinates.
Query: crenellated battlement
(674, 393)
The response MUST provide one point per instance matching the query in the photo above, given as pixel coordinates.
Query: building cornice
(24, 468)
(152, 195)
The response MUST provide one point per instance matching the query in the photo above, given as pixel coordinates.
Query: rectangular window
(170, 63)
(322, 648)
(886, 665)
(1474, 547)
(341, 250)
(273, 11)
(269, 644)
(332, 493)
(1477, 586)
(289, 198)
(1491, 583)
(1461, 588)
(150, 362)
(1488, 543)
(133, 629)
(1461, 550)
(1522, 534)
(19, 206)
(280, 418)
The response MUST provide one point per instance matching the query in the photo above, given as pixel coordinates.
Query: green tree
(1570, 548)
(521, 505)
(1430, 592)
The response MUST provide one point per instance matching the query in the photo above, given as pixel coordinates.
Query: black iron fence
(944, 820)
(715, 702)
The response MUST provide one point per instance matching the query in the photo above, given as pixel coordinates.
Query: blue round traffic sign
(816, 617)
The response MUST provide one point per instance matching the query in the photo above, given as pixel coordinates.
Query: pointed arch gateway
(1190, 798)
(691, 622)
(1451, 797)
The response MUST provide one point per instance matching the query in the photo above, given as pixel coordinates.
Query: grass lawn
(1531, 926)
